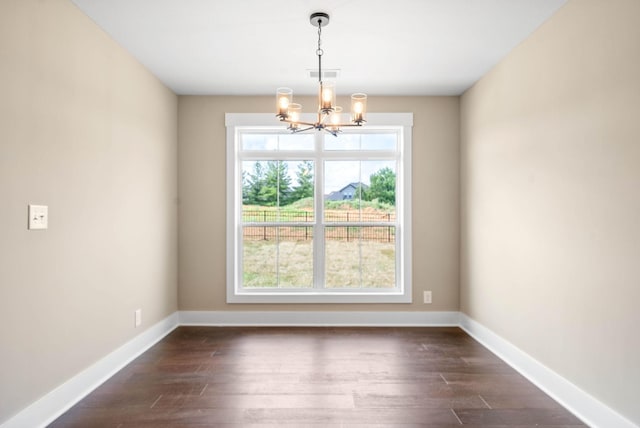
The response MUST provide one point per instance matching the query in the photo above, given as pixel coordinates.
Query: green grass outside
(289, 264)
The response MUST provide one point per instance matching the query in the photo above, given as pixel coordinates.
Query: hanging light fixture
(329, 114)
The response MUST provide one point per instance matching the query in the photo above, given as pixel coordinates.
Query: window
(313, 218)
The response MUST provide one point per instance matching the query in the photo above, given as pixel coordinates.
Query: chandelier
(329, 114)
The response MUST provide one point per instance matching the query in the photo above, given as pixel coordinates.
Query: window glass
(360, 191)
(360, 257)
(272, 141)
(364, 141)
(277, 191)
(277, 256)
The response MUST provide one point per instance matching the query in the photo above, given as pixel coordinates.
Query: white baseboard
(592, 412)
(319, 318)
(55, 403)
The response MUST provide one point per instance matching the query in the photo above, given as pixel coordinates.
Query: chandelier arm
(296, 130)
(344, 125)
(297, 122)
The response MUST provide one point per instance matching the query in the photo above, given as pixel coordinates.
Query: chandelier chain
(319, 52)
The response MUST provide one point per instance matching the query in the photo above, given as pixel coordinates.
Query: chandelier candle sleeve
(328, 96)
(335, 118)
(284, 97)
(293, 113)
(358, 108)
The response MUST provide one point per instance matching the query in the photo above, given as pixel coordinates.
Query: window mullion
(318, 230)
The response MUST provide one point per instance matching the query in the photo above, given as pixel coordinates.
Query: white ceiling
(382, 47)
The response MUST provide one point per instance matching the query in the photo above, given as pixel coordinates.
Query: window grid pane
(360, 256)
(277, 256)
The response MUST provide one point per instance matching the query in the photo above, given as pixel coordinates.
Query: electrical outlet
(138, 317)
(427, 297)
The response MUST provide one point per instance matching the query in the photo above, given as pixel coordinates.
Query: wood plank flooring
(317, 377)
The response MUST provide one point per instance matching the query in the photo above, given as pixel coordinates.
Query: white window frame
(237, 122)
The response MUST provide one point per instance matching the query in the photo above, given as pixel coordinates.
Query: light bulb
(335, 117)
(326, 95)
(358, 108)
(283, 99)
(326, 98)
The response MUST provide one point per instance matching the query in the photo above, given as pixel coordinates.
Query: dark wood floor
(317, 377)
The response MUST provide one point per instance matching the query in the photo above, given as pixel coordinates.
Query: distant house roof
(346, 192)
(334, 196)
(355, 186)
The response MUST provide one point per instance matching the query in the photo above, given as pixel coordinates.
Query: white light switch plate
(38, 217)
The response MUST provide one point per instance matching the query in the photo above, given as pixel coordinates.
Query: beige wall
(86, 130)
(551, 199)
(202, 189)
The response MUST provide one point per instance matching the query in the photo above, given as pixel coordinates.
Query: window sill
(319, 297)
